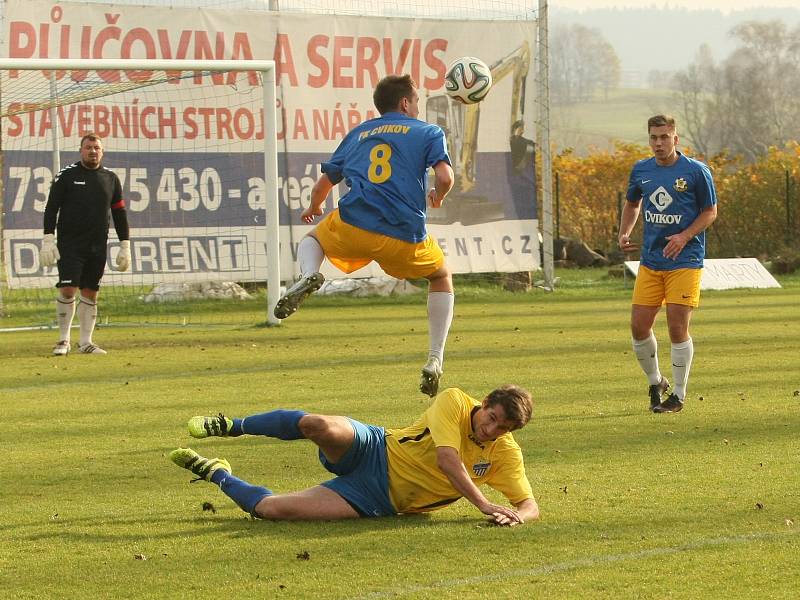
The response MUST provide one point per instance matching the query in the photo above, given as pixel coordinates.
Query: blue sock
(246, 495)
(281, 424)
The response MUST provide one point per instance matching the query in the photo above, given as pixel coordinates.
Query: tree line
(759, 201)
(742, 105)
(748, 102)
(582, 62)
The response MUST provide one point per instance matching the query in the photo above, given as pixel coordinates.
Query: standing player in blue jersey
(679, 201)
(381, 218)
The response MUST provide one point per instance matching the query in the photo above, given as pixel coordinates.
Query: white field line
(588, 562)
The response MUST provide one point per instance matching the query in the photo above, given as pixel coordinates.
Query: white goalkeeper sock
(682, 354)
(646, 352)
(65, 312)
(310, 255)
(440, 316)
(87, 315)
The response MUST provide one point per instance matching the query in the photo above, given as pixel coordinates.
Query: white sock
(65, 312)
(310, 255)
(682, 355)
(440, 315)
(646, 352)
(87, 315)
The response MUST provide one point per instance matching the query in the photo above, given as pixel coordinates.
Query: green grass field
(702, 504)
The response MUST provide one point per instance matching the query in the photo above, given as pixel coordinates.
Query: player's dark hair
(390, 90)
(661, 121)
(516, 403)
(92, 137)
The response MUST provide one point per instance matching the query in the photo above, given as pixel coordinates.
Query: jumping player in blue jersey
(384, 162)
(679, 202)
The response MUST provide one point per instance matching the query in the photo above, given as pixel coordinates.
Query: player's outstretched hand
(124, 256)
(49, 255)
(502, 515)
(309, 214)
(504, 521)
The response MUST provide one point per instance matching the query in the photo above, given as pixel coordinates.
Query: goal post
(184, 137)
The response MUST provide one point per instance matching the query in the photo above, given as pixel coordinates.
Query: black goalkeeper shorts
(80, 268)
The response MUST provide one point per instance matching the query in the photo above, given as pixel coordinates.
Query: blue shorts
(363, 474)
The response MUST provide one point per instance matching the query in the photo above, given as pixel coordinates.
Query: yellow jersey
(416, 484)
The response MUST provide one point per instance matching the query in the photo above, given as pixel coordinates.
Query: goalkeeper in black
(81, 198)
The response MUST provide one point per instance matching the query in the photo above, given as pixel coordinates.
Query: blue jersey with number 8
(384, 162)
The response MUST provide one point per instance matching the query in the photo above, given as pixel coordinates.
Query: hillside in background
(666, 39)
(596, 124)
(647, 41)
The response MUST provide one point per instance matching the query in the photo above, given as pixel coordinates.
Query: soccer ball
(468, 80)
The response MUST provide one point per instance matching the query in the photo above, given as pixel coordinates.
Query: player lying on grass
(456, 445)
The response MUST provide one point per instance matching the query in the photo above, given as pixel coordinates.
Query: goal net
(194, 146)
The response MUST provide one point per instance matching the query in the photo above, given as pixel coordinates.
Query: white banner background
(727, 274)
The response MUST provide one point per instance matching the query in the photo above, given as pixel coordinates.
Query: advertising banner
(191, 158)
(727, 274)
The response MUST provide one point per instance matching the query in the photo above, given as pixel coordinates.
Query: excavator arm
(517, 63)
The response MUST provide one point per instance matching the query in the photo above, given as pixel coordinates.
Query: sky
(723, 5)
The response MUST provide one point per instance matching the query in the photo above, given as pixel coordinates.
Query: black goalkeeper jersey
(79, 206)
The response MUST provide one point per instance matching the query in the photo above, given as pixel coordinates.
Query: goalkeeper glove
(124, 256)
(48, 255)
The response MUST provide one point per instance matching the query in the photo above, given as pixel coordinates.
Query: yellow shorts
(350, 248)
(654, 288)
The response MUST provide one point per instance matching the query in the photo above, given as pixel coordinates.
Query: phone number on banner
(180, 189)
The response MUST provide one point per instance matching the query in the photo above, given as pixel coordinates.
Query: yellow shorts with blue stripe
(679, 286)
(350, 248)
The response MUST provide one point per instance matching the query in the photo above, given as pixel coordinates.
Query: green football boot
(202, 427)
(203, 467)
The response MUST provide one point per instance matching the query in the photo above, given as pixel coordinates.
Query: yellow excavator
(460, 124)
